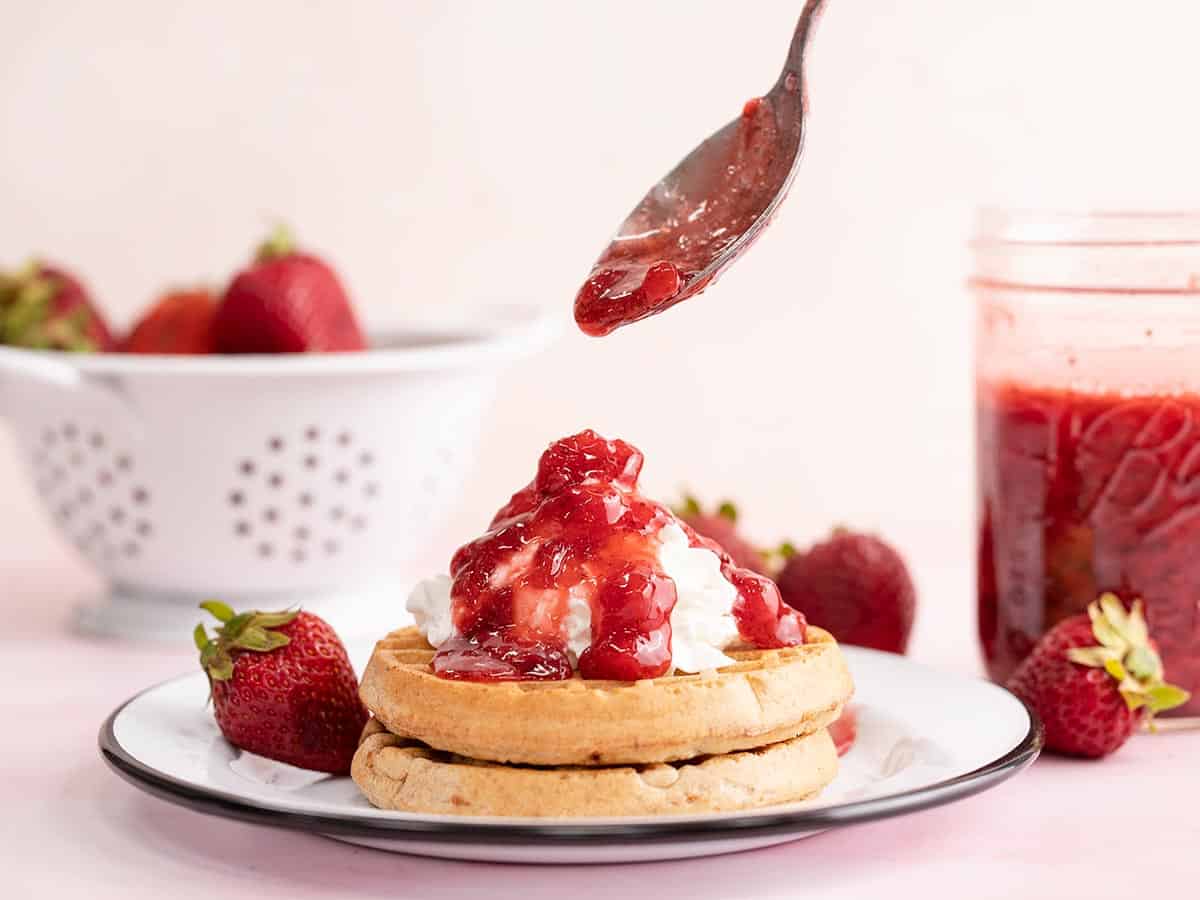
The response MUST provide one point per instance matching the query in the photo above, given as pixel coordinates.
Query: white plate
(924, 738)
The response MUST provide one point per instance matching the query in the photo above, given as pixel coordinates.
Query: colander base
(130, 612)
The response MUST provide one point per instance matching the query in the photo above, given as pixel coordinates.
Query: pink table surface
(72, 828)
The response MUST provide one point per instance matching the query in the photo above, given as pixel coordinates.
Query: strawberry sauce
(1085, 493)
(582, 530)
(844, 731)
(646, 270)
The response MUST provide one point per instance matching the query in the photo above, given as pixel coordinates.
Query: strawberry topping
(844, 730)
(582, 533)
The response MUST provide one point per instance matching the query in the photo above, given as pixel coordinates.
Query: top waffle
(764, 697)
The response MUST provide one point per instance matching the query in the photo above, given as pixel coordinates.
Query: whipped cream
(702, 622)
(429, 604)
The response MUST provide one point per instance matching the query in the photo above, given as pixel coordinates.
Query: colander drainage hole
(285, 461)
(77, 472)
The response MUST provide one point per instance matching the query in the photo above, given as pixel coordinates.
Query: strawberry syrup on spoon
(582, 530)
(657, 261)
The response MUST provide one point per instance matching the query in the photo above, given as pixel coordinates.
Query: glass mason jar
(1088, 426)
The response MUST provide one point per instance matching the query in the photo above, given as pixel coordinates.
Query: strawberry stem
(248, 631)
(1126, 654)
(279, 243)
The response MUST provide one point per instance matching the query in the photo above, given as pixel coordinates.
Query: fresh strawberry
(286, 302)
(282, 687)
(854, 586)
(46, 308)
(1093, 678)
(721, 526)
(180, 322)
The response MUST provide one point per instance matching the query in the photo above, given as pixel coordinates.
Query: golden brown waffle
(403, 774)
(765, 697)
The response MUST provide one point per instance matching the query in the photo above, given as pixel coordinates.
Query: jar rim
(1015, 227)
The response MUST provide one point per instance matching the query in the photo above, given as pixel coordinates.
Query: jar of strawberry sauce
(1088, 427)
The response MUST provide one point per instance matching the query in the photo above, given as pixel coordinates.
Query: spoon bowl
(707, 210)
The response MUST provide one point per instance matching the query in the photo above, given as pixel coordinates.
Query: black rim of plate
(721, 826)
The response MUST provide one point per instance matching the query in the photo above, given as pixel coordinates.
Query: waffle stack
(748, 735)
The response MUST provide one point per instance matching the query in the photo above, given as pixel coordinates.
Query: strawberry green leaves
(1165, 696)
(1126, 654)
(28, 317)
(691, 506)
(778, 555)
(223, 612)
(249, 631)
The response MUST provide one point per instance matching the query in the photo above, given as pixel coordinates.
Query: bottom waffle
(404, 774)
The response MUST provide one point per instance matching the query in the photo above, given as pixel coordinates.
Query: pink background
(453, 153)
(477, 152)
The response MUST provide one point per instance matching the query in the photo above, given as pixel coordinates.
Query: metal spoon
(708, 209)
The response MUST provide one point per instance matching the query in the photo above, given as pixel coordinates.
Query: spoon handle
(794, 65)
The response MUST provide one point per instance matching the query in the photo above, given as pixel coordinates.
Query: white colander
(271, 481)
